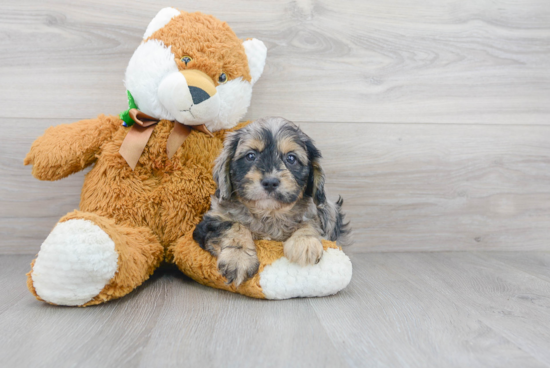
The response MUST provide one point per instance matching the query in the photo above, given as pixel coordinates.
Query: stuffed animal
(189, 82)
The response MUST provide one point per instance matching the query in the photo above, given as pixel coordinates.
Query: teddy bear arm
(68, 148)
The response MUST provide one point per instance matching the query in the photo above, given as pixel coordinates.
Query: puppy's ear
(222, 169)
(316, 181)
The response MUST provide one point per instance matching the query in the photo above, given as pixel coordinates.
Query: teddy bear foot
(283, 279)
(88, 259)
(74, 264)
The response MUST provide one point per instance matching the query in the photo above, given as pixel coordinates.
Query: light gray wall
(433, 117)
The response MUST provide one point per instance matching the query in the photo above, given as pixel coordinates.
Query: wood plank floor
(445, 309)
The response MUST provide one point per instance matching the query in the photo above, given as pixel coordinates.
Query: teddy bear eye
(186, 59)
(222, 79)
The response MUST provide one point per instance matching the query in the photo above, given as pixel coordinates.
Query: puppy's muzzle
(270, 184)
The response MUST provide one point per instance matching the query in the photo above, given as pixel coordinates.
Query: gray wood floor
(446, 309)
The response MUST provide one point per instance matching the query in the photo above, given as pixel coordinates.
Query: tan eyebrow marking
(250, 144)
(287, 144)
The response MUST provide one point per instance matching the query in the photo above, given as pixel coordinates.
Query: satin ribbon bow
(133, 145)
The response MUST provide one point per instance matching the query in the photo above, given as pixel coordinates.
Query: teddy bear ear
(256, 53)
(160, 20)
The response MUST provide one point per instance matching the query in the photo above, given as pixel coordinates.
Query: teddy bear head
(192, 68)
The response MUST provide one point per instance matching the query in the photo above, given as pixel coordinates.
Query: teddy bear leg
(88, 259)
(277, 277)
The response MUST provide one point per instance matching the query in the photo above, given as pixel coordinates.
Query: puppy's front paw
(304, 250)
(238, 264)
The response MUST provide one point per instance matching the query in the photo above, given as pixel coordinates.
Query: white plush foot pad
(283, 279)
(74, 264)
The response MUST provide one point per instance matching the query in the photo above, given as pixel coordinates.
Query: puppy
(270, 186)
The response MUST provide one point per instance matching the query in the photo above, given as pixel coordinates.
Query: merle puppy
(270, 186)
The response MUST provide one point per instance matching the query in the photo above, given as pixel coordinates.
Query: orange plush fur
(210, 43)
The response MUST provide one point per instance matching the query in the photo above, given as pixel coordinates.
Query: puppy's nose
(270, 184)
(199, 95)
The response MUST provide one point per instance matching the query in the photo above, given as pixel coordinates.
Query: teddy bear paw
(74, 263)
(284, 279)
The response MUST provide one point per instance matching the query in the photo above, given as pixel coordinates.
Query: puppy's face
(270, 163)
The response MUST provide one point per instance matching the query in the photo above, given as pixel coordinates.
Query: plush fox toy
(188, 83)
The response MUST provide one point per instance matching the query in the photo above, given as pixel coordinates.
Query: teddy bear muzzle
(190, 96)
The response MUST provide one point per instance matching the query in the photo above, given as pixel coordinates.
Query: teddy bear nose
(270, 184)
(199, 95)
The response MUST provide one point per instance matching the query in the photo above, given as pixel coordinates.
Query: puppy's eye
(291, 158)
(222, 79)
(251, 156)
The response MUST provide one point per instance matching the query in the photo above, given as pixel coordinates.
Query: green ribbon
(125, 115)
